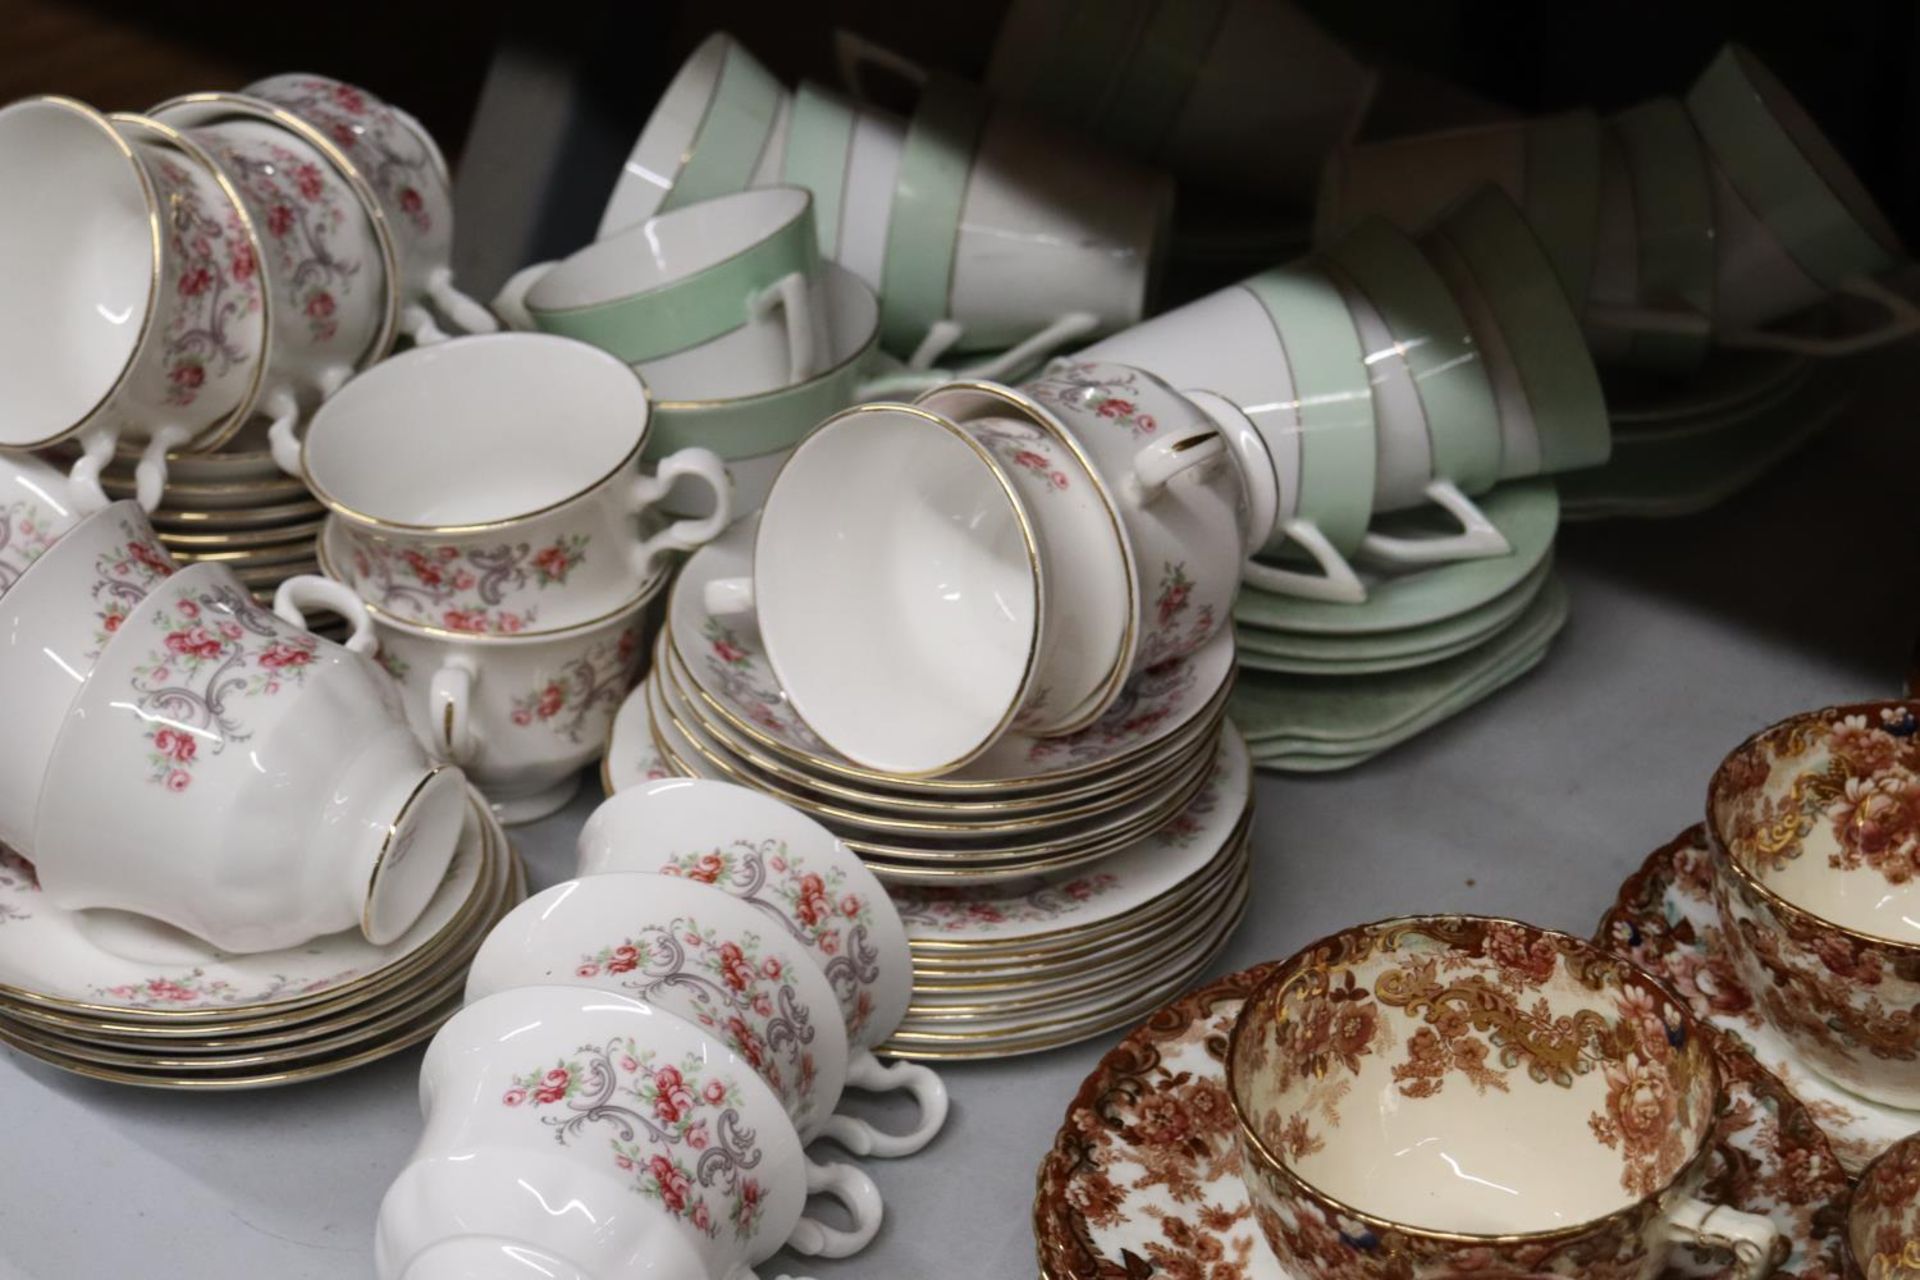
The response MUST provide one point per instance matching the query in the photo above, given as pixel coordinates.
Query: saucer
(177, 520)
(1527, 513)
(1665, 921)
(1143, 1178)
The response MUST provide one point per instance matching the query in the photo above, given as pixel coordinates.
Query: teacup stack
(510, 579)
(217, 826)
(679, 1022)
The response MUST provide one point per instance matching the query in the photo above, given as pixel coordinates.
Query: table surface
(1686, 635)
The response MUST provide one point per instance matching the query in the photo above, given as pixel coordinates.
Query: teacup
(717, 129)
(726, 291)
(231, 774)
(794, 872)
(1883, 1219)
(521, 714)
(135, 307)
(1244, 95)
(35, 510)
(694, 950)
(54, 624)
(672, 1156)
(533, 521)
(1815, 829)
(1521, 1103)
(329, 293)
(402, 164)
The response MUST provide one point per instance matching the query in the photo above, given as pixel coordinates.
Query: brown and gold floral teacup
(1446, 1095)
(1815, 829)
(1883, 1226)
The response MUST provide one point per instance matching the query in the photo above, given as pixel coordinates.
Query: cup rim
(1030, 541)
(1860, 1180)
(1718, 787)
(1283, 972)
(692, 72)
(100, 121)
(467, 341)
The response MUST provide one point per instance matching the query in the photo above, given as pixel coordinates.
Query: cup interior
(1883, 1222)
(80, 258)
(897, 584)
(1823, 811)
(476, 431)
(668, 248)
(1473, 1076)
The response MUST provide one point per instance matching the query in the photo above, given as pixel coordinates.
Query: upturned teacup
(35, 512)
(528, 518)
(1814, 825)
(1883, 1218)
(1449, 1095)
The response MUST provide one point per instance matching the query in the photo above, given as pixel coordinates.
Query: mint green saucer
(1281, 714)
(1526, 511)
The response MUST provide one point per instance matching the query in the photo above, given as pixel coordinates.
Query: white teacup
(54, 624)
(402, 165)
(35, 510)
(237, 777)
(698, 951)
(729, 289)
(671, 1155)
(533, 521)
(134, 308)
(521, 714)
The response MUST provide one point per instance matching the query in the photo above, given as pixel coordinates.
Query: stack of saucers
(123, 998)
(712, 707)
(1326, 685)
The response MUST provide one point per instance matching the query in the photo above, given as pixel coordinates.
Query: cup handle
(854, 53)
(1748, 1237)
(450, 706)
(311, 591)
(864, 1071)
(83, 479)
(1162, 460)
(510, 304)
(1902, 318)
(1056, 334)
(150, 473)
(1478, 539)
(791, 294)
(857, 1194)
(682, 535)
(418, 324)
(458, 309)
(1338, 583)
(728, 597)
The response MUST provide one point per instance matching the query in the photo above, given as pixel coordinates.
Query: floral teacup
(35, 512)
(673, 1157)
(1883, 1221)
(1815, 830)
(1450, 1095)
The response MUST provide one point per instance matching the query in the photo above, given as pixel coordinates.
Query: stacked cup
(714, 999)
(508, 576)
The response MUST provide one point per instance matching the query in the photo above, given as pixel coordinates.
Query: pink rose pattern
(210, 653)
(1029, 450)
(738, 674)
(193, 989)
(674, 1129)
(1144, 1177)
(565, 703)
(18, 885)
(122, 579)
(301, 210)
(732, 986)
(25, 534)
(475, 589)
(1151, 703)
(1077, 386)
(379, 144)
(216, 284)
(816, 907)
(931, 909)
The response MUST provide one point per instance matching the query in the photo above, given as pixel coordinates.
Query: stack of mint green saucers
(1326, 686)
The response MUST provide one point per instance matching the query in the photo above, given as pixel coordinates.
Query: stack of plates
(121, 998)
(1036, 963)
(1325, 686)
(1679, 448)
(711, 707)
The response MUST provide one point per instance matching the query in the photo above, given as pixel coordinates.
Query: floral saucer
(95, 964)
(1665, 921)
(1143, 1179)
(730, 672)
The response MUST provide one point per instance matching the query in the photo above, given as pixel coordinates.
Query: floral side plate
(728, 664)
(1664, 921)
(108, 962)
(1143, 1179)
(1115, 887)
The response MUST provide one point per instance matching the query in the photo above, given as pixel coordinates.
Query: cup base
(475, 1257)
(513, 811)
